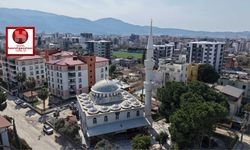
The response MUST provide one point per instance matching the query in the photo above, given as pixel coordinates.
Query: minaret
(149, 64)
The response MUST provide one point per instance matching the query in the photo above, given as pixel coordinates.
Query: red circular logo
(20, 36)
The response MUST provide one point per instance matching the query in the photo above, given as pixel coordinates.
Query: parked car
(18, 101)
(47, 129)
(24, 105)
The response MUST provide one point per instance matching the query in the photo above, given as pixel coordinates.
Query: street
(30, 129)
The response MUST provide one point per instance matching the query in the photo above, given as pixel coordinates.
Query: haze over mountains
(51, 23)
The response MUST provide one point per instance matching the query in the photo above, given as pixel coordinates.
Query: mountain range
(51, 23)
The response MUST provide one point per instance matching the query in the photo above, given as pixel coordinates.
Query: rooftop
(69, 61)
(4, 123)
(230, 90)
(206, 42)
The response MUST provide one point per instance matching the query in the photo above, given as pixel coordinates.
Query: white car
(18, 101)
(47, 129)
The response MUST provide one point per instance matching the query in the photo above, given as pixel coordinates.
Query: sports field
(126, 55)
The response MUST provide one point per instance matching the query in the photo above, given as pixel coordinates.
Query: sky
(198, 15)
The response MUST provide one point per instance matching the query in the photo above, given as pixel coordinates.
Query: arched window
(137, 113)
(117, 115)
(94, 121)
(105, 118)
(128, 114)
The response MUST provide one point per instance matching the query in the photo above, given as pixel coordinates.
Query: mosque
(109, 109)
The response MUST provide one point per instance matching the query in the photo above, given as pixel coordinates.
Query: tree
(59, 124)
(141, 142)
(20, 77)
(169, 96)
(162, 138)
(43, 95)
(71, 130)
(246, 107)
(3, 98)
(30, 84)
(112, 70)
(104, 145)
(206, 73)
(194, 120)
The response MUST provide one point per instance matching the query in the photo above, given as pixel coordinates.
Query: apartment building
(163, 52)
(32, 66)
(206, 53)
(100, 48)
(76, 74)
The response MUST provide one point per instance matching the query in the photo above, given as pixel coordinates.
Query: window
(105, 118)
(80, 79)
(79, 74)
(31, 73)
(42, 71)
(60, 75)
(80, 86)
(101, 75)
(94, 121)
(61, 81)
(90, 77)
(31, 67)
(128, 114)
(37, 77)
(61, 88)
(244, 86)
(37, 72)
(57, 74)
(23, 69)
(117, 115)
(137, 113)
(102, 69)
(79, 67)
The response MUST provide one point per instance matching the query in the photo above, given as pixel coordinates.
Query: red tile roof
(28, 94)
(4, 123)
(101, 59)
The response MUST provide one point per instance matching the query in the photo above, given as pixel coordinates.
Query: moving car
(47, 129)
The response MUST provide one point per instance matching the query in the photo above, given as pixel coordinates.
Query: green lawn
(126, 55)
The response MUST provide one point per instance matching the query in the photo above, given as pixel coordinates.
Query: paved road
(30, 129)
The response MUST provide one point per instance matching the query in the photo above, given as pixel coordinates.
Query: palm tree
(43, 95)
(30, 84)
(20, 77)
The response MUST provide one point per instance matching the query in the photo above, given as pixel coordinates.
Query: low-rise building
(234, 97)
(4, 137)
(192, 72)
(236, 79)
(171, 72)
(76, 74)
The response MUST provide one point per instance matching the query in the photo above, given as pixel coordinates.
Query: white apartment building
(73, 75)
(206, 53)
(32, 66)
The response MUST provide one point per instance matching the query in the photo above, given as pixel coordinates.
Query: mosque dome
(105, 86)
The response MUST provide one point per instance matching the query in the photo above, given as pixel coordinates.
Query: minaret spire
(149, 64)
